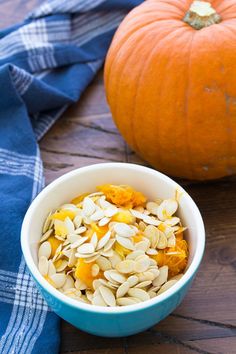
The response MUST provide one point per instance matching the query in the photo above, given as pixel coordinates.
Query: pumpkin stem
(201, 14)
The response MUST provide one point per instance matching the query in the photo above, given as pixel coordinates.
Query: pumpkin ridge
(124, 39)
(140, 76)
(224, 9)
(188, 145)
(116, 99)
(129, 35)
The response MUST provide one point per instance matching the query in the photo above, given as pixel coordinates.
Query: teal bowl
(112, 321)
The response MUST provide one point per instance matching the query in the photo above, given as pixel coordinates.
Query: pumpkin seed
(139, 293)
(162, 277)
(86, 248)
(143, 284)
(162, 243)
(46, 235)
(125, 242)
(79, 242)
(114, 276)
(123, 289)
(107, 296)
(98, 300)
(124, 230)
(125, 301)
(166, 209)
(45, 249)
(152, 207)
(104, 221)
(142, 263)
(167, 286)
(88, 206)
(43, 265)
(103, 241)
(58, 280)
(133, 255)
(127, 266)
(104, 263)
(95, 270)
(98, 215)
(133, 280)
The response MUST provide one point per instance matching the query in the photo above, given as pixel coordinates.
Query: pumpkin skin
(172, 89)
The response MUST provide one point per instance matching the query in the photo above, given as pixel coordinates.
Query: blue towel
(45, 64)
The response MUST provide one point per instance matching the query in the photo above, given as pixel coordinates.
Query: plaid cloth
(45, 64)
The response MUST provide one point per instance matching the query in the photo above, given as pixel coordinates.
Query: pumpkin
(170, 78)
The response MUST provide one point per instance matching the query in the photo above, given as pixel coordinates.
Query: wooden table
(205, 322)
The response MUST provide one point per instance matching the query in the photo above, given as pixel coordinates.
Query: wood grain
(205, 322)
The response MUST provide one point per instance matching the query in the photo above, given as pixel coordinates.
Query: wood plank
(215, 346)
(14, 11)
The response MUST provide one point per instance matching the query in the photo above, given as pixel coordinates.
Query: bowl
(112, 321)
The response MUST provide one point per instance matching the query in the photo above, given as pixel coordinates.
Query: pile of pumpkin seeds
(123, 270)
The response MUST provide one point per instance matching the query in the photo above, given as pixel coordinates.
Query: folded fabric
(45, 64)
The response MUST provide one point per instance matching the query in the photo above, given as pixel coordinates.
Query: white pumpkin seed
(152, 252)
(141, 264)
(69, 283)
(47, 223)
(114, 276)
(123, 289)
(62, 265)
(133, 280)
(139, 293)
(98, 215)
(167, 286)
(92, 258)
(69, 225)
(152, 207)
(80, 230)
(86, 255)
(98, 300)
(103, 241)
(79, 242)
(45, 249)
(143, 284)
(104, 263)
(86, 248)
(115, 259)
(94, 240)
(171, 242)
(43, 265)
(151, 221)
(124, 230)
(125, 301)
(51, 268)
(127, 266)
(104, 221)
(109, 245)
(162, 277)
(88, 206)
(152, 294)
(110, 212)
(162, 243)
(46, 235)
(133, 255)
(125, 242)
(95, 270)
(142, 245)
(107, 296)
(72, 259)
(166, 209)
(80, 285)
(58, 280)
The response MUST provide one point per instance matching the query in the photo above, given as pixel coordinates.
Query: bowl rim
(122, 309)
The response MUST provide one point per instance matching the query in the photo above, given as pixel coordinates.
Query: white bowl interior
(151, 183)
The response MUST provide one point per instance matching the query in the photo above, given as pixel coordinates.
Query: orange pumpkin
(170, 78)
